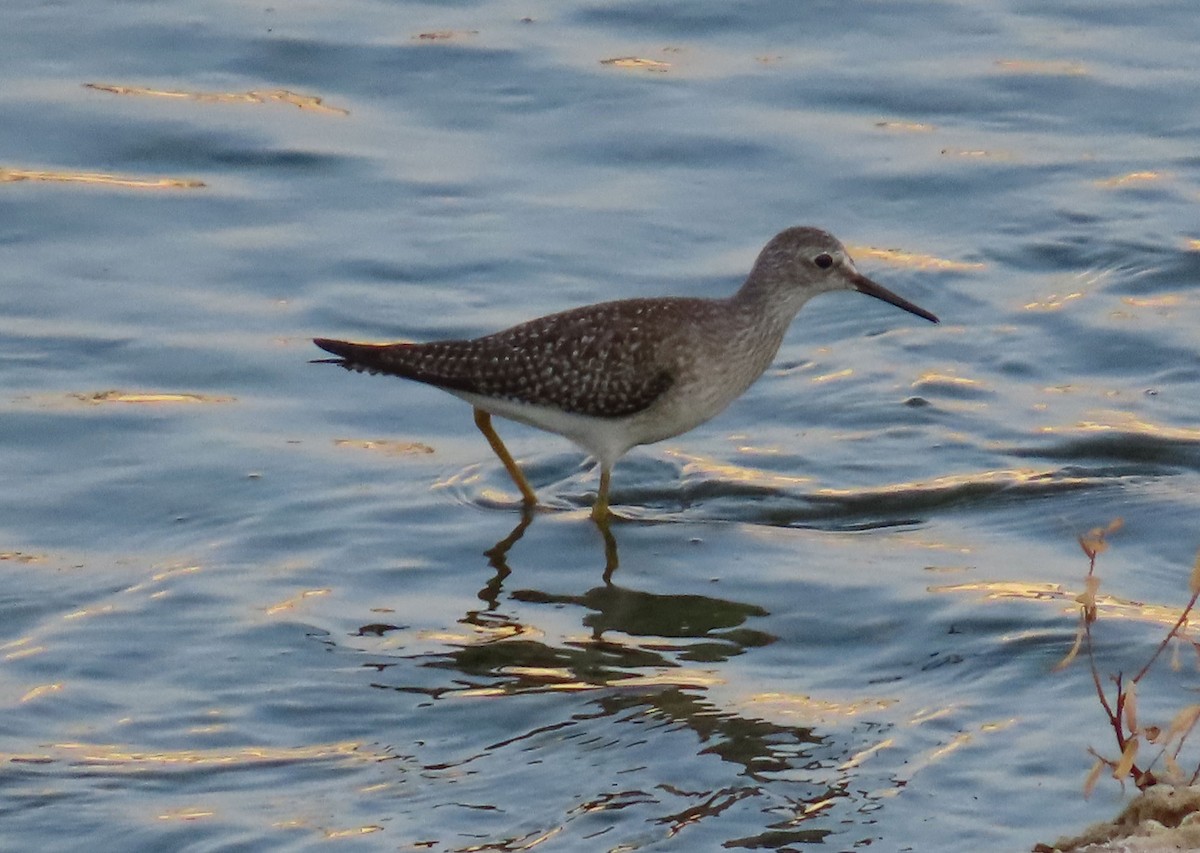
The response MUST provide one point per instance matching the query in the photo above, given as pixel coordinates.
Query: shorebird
(614, 375)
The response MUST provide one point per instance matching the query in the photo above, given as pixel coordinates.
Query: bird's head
(799, 263)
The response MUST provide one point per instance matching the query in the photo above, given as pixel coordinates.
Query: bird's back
(608, 360)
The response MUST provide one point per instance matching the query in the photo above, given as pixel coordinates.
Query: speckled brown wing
(600, 360)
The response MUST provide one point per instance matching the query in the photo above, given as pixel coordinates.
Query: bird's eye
(823, 260)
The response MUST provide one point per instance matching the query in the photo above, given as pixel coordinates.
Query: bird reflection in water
(638, 679)
(627, 611)
(498, 555)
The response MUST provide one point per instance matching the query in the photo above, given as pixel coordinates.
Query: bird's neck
(770, 304)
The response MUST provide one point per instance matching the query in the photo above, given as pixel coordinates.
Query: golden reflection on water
(125, 759)
(925, 715)
(388, 447)
(957, 742)
(1053, 302)
(20, 648)
(921, 761)
(730, 472)
(165, 574)
(997, 725)
(1107, 606)
(311, 103)
(536, 672)
(124, 398)
(1117, 420)
(915, 260)
(1166, 300)
(40, 691)
(482, 632)
(675, 678)
(859, 758)
(211, 729)
(293, 602)
(1131, 179)
(1006, 477)
(800, 705)
(98, 178)
(298, 823)
(831, 377)
(906, 126)
(84, 612)
(936, 379)
(21, 557)
(968, 483)
(147, 397)
(353, 832)
(637, 63)
(186, 813)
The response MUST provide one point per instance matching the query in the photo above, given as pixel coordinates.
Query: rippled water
(251, 603)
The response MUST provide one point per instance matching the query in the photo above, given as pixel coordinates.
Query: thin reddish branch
(1167, 639)
(1087, 629)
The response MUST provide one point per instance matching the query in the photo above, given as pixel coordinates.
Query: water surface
(253, 603)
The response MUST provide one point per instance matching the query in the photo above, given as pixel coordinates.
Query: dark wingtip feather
(363, 358)
(338, 348)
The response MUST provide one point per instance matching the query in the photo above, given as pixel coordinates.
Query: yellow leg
(600, 512)
(603, 518)
(483, 420)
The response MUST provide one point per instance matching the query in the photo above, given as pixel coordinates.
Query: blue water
(245, 601)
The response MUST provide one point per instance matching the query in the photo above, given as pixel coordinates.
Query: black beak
(864, 285)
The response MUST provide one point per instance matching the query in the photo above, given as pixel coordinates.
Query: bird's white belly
(604, 438)
(681, 409)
